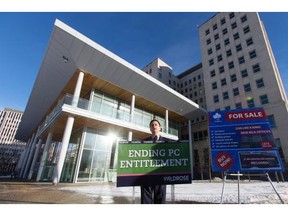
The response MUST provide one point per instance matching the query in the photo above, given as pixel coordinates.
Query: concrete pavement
(21, 192)
(13, 191)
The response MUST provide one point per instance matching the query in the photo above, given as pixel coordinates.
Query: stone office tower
(9, 122)
(240, 71)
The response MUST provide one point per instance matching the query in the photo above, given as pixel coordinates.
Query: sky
(137, 37)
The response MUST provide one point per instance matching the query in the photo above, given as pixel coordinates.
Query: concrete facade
(240, 71)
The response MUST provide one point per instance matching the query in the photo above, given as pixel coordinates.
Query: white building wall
(9, 122)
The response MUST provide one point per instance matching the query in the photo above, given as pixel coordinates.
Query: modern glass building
(84, 100)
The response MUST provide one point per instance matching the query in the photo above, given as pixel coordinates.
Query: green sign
(153, 163)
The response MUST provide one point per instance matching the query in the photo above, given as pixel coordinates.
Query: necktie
(155, 139)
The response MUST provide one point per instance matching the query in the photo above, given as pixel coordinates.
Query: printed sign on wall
(153, 163)
(242, 140)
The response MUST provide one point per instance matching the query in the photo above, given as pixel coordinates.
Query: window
(233, 78)
(207, 31)
(212, 73)
(216, 98)
(247, 87)
(214, 85)
(160, 75)
(239, 47)
(236, 91)
(236, 36)
(214, 26)
(228, 53)
(208, 41)
(241, 60)
(216, 36)
(271, 120)
(221, 69)
(211, 62)
(218, 46)
(234, 25)
(256, 68)
(246, 29)
(249, 41)
(227, 107)
(209, 51)
(225, 95)
(260, 83)
(231, 65)
(238, 106)
(231, 15)
(250, 102)
(264, 99)
(243, 18)
(224, 31)
(252, 54)
(244, 73)
(226, 41)
(223, 21)
(219, 57)
(223, 82)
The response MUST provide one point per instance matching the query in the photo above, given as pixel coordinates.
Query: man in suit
(154, 194)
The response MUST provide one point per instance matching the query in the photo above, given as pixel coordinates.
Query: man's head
(155, 127)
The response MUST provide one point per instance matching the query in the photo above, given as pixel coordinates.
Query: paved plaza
(14, 191)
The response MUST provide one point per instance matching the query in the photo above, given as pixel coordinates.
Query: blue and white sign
(242, 140)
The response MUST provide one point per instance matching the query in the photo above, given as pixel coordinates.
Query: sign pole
(238, 176)
(268, 177)
(173, 193)
(224, 180)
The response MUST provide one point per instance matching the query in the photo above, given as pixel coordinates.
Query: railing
(105, 110)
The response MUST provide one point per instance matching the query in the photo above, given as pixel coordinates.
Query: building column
(80, 152)
(44, 155)
(67, 132)
(132, 107)
(38, 147)
(130, 133)
(77, 89)
(62, 154)
(191, 146)
(166, 121)
(26, 153)
(25, 173)
(91, 98)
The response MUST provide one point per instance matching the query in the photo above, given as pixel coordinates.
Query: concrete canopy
(69, 51)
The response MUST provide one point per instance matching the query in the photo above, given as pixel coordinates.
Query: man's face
(155, 128)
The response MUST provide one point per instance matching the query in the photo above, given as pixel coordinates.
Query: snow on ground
(251, 192)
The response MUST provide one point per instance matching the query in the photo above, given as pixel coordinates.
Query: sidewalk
(199, 192)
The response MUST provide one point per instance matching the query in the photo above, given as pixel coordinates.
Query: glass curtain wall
(96, 157)
(110, 106)
(50, 162)
(70, 159)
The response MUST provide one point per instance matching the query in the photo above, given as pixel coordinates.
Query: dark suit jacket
(162, 139)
